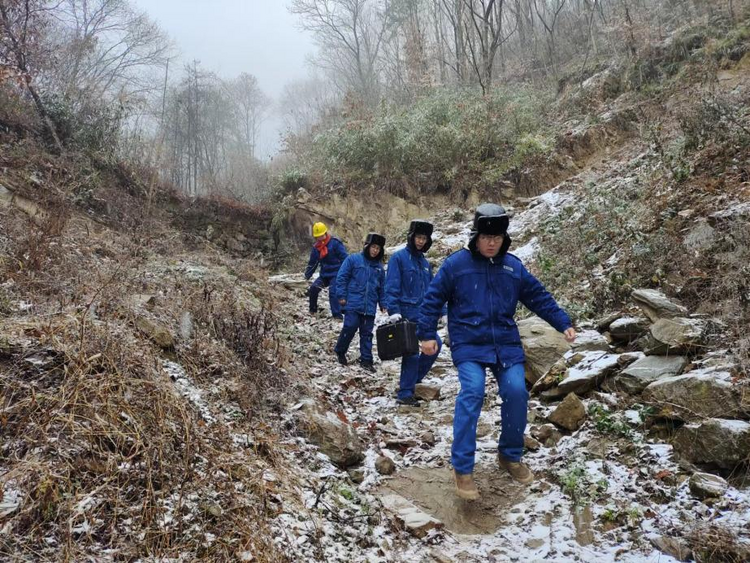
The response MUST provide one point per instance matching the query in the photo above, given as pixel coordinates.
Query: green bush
(439, 136)
(95, 128)
(291, 180)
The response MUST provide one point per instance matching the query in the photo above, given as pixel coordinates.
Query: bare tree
(307, 103)
(548, 16)
(250, 108)
(486, 18)
(350, 35)
(106, 49)
(22, 47)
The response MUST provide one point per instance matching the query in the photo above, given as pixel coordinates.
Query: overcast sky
(228, 37)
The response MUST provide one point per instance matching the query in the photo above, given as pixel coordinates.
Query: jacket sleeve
(312, 264)
(393, 285)
(437, 295)
(343, 277)
(539, 301)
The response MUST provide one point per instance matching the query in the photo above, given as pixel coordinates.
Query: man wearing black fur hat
(482, 285)
(359, 286)
(409, 274)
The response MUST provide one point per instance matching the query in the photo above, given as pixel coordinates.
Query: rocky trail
(618, 439)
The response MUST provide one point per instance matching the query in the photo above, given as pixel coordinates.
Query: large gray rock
(569, 414)
(706, 485)
(588, 372)
(673, 336)
(590, 340)
(414, 520)
(640, 374)
(626, 329)
(543, 346)
(701, 237)
(719, 442)
(656, 305)
(695, 395)
(335, 438)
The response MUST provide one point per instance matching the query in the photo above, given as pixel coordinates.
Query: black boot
(364, 364)
(342, 359)
(409, 402)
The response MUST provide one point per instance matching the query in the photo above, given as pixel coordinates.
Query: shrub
(440, 135)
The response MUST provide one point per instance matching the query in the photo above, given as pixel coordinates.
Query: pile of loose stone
(658, 357)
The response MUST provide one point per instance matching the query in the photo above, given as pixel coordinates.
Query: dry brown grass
(714, 543)
(101, 424)
(104, 451)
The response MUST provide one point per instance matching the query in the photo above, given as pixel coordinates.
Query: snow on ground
(597, 497)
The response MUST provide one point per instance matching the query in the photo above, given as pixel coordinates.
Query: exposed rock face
(677, 335)
(415, 521)
(656, 305)
(640, 374)
(543, 346)
(588, 372)
(569, 414)
(335, 438)
(719, 442)
(706, 485)
(695, 395)
(626, 329)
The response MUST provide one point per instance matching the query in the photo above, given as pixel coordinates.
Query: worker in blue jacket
(482, 285)
(330, 253)
(406, 281)
(359, 287)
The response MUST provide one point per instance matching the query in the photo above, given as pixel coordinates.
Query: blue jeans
(352, 323)
(315, 290)
(414, 369)
(512, 385)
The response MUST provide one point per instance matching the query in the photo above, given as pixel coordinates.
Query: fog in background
(228, 37)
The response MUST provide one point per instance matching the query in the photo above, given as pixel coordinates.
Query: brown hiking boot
(519, 471)
(465, 486)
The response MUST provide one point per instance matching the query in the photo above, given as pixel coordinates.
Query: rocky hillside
(638, 433)
(165, 395)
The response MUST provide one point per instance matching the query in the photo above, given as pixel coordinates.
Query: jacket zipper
(492, 306)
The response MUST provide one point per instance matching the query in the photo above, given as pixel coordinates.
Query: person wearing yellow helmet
(328, 252)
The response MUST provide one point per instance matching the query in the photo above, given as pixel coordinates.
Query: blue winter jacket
(482, 295)
(408, 277)
(360, 282)
(329, 266)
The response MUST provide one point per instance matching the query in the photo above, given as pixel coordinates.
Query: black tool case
(397, 339)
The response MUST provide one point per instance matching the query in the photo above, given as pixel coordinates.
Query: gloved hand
(394, 318)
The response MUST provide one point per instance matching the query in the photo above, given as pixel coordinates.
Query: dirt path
(600, 494)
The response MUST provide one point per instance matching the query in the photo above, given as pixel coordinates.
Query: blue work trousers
(315, 289)
(512, 388)
(414, 369)
(354, 322)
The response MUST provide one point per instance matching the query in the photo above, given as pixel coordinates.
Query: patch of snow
(187, 389)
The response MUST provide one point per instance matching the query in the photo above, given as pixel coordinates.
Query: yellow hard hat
(319, 229)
